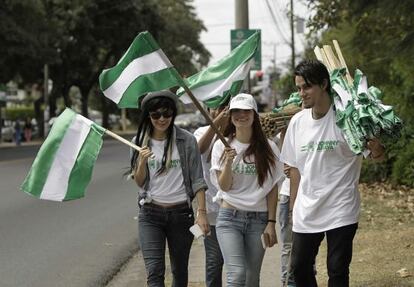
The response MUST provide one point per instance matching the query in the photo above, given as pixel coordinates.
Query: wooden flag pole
(318, 53)
(342, 60)
(331, 56)
(121, 139)
(196, 102)
(326, 61)
(205, 114)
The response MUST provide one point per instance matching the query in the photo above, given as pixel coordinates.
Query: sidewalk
(38, 141)
(133, 273)
(4, 144)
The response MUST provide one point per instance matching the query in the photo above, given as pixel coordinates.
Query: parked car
(7, 134)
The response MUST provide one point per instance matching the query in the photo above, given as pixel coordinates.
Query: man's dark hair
(313, 72)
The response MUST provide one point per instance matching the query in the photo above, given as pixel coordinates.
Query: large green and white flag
(225, 78)
(63, 166)
(143, 68)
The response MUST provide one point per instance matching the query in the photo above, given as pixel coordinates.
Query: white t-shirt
(212, 207)
(167, 187)
(328, 195)
(284, 187)
(245, 193)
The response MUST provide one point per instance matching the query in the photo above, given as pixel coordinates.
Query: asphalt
(132, 273)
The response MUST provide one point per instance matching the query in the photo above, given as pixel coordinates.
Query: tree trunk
(39, 116)
(105, 113)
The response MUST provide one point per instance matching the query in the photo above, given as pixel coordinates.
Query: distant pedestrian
(28, 129)
(17, 132)
(169, 174)
(247, 175)
(206, 138)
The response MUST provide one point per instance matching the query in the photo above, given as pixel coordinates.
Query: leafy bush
(21, 113)
(403, 168)
(374, 172)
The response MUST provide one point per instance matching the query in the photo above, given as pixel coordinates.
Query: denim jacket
(191, 165)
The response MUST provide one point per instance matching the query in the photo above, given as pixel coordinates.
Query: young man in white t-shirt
(324, 178)
(206, 138)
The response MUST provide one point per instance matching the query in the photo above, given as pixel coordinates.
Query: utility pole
(242, 22)
(292, 29)
(242, 14)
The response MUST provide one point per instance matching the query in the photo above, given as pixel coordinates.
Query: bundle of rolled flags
(360, 114)
(278, 119)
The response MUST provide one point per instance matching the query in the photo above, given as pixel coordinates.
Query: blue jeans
(238, 233)
(214, 260)
(158, 225)
(285, 240)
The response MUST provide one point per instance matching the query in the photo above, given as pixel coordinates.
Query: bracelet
(271, 220)
(201, 211)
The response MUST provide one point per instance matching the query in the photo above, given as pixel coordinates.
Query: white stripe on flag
(217, 88)
(147, 64)
(65, 159)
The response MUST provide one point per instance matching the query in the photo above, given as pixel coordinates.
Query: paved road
(78, 243)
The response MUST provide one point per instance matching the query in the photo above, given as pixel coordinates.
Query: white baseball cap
(244, 102)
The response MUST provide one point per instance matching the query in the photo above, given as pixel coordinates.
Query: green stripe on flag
(223, 78)
(136, 73)
(35, 180)
(157, 81)
(142, 45)
(82, 171)
(225, 67)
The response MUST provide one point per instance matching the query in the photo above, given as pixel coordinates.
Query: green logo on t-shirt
(156, 164)
(249, 169)
(319, 146)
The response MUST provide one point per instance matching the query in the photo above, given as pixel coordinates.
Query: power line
(280, 18)
(276, 21)
(283, 15)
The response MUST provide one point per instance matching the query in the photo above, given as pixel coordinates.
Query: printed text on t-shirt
(156, 164)
(249, 169)
(319, 146)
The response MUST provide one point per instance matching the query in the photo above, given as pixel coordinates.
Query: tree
(78, 39)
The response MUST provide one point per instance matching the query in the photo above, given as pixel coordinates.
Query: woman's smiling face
(242, 118)
(161, 119)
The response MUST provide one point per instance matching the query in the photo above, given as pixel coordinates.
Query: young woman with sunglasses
(169, 175)
(246, 176)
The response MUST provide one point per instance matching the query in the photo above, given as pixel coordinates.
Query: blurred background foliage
(78, 39)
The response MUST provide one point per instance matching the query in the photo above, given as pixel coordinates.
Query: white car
(7, 134)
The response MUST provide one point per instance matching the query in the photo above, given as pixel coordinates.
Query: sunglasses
(157, 115)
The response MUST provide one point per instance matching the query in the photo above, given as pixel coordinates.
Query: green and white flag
(143, 68)
(63, 166)
(223, 79)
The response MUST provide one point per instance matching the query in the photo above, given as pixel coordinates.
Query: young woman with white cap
(246, 176)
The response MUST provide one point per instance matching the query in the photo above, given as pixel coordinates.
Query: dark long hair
(264, 157)
(146, 129)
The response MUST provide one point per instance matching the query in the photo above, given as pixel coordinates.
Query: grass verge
(384, 244)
